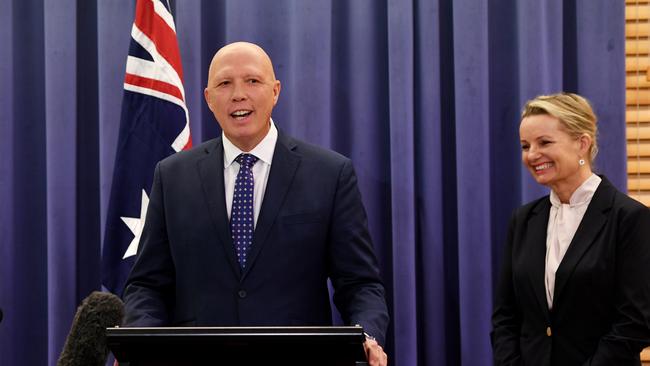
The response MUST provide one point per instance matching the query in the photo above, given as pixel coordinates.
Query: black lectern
(293, 346)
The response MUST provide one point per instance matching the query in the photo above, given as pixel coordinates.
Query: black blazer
(311, 227)
(601, 304)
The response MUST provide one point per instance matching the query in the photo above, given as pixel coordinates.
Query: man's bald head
(238, 48)
(241, 92)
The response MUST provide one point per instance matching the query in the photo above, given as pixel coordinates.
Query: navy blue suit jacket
(312, 226)
(601, 303)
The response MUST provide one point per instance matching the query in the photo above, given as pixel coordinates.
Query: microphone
(86, 342)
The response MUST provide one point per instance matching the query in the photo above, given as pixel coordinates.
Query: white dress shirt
(563, 223)
(264, 152)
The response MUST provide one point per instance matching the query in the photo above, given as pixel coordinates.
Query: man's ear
(276, 91)
(207, 98)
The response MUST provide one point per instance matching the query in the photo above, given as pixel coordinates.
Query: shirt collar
(581, 195)
(263, 151)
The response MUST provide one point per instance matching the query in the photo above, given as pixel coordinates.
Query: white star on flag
(136, 224)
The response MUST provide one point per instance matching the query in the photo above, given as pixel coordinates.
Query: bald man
(246, 229)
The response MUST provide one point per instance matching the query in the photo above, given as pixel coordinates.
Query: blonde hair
(574, 113)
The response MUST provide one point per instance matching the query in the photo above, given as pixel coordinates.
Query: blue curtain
(423, 95)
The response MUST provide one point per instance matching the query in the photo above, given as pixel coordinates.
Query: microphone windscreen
(86, 342)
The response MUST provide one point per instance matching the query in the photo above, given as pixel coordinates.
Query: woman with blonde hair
(575, 280)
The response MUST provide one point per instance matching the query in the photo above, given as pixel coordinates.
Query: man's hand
(375, 354)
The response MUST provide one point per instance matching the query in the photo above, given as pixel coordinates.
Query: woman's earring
(581, 162)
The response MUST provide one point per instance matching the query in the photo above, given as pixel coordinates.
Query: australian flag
(154, 124)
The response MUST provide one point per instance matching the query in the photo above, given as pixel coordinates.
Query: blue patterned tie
(242, 214)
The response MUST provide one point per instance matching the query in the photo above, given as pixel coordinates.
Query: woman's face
(550, 153)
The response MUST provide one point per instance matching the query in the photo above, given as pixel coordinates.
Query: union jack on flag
(154, 124)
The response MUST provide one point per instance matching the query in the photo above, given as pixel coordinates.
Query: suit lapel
(536, 234)
(590, 226)
(283, 168)
(211, 173)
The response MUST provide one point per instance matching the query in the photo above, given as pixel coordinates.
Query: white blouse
(562, 225)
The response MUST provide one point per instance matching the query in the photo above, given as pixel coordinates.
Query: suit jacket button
(242, 294)
(548, 331)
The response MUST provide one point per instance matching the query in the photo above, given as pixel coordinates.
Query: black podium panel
(331, 346)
